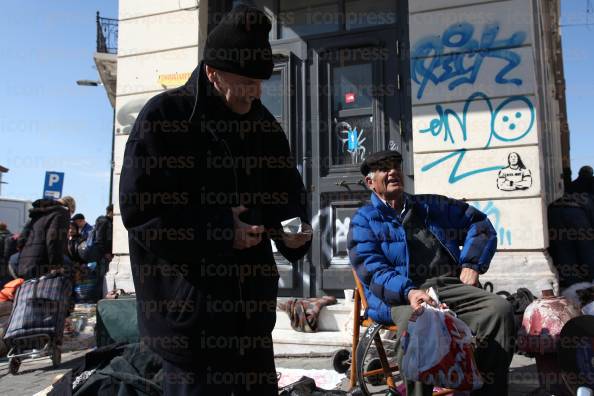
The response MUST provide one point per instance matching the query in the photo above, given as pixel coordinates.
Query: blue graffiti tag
(430, 64)
(454, 176)
(494, 214)
(352, 139)
(504, 126)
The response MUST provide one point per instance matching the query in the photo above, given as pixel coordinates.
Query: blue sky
(47, 122)
(578, 60)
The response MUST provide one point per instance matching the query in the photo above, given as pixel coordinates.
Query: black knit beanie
(239, 44)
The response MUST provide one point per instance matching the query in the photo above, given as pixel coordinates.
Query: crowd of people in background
(56, 240)
(571, 230)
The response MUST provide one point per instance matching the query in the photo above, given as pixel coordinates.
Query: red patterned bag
(438, 350)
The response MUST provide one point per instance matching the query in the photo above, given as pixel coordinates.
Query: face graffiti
(513, 119)
(513, 159)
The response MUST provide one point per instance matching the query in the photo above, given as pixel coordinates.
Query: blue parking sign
(52, 188)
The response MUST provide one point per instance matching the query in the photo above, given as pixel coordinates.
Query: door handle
(344, 183)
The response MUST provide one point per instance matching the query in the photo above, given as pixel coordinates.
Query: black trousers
(491, 319)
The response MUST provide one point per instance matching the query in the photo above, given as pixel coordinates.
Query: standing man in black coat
(44, 239)
(207, 179)
(104, 240)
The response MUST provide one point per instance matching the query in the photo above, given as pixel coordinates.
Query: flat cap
(379, 160)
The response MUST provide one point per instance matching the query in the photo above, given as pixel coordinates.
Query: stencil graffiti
(352, 141)
(511, 121)
(515, 176)
(494, 214)
(429, 64)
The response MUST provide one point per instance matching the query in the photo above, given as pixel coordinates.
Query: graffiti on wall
(494, 214)
(515, 176)
(510, 121)
(463, 65)
(455, 58)
(341, 233)
(351, 141)
(126, 115)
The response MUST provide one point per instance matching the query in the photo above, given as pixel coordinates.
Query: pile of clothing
(119, 369)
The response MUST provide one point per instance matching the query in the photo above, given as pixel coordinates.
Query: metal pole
(112, 167)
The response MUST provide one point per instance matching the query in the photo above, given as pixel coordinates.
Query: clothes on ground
(120, 370)
(304, 313)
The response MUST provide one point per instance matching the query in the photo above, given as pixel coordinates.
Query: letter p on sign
(53, 179)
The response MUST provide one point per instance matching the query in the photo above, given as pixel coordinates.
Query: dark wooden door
(354, 98)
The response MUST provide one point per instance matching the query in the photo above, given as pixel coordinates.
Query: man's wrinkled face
(238, 91)
(387, 181)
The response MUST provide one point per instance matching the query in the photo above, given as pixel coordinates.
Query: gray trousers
(491, 319)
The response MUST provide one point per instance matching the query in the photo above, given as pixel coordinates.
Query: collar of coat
(388, 212)
(44, 206)
(195, 89)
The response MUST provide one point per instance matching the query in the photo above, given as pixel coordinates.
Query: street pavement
(35, 375)
(523, 375)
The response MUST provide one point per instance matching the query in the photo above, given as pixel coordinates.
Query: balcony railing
(107, 35)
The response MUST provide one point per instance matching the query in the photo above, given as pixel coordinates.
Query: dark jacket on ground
(187, 162)
(44, 238)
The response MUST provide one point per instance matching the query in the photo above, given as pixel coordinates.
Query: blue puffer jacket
(378, 251)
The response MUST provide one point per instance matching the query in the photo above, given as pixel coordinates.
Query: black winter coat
(189, 160)
(103, 234)
(45, 239)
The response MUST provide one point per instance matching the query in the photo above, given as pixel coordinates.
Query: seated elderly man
(402, 244)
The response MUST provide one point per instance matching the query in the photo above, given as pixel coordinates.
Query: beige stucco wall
(472, 109)
(157, 49)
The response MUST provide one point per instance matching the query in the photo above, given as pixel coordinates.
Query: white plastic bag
(438, 350)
